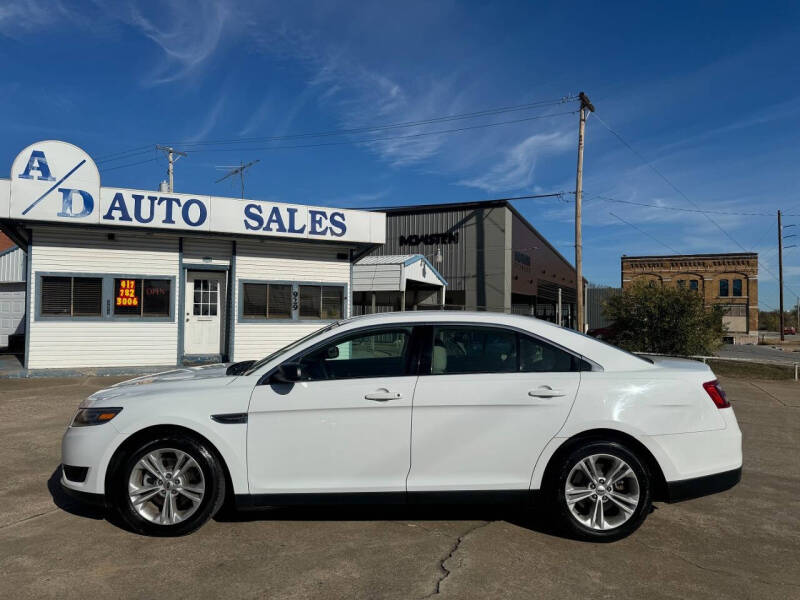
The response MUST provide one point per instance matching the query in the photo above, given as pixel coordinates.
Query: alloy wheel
(166, 486)
(602, 491)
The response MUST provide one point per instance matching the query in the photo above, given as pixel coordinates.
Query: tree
(665, 320)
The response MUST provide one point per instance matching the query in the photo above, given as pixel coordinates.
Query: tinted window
(693, 285)
(375, 354)
(723, 287)
(464, 349)
(536, 356)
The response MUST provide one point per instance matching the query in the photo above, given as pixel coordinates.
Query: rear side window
(470, 349)
(536, 356)
(464, 349)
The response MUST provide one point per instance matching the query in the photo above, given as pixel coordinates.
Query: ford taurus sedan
(411, 408)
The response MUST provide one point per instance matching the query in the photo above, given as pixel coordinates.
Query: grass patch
(746, 370)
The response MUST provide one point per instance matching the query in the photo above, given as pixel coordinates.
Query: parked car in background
(789, 331)
(411, 407)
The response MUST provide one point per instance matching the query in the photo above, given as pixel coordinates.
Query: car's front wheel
(168, 486)
(601, 491)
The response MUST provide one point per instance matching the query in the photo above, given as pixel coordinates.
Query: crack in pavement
(41, 514)
(445, 571)
(717, 571)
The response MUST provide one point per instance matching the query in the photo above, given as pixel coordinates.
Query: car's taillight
(717, 394)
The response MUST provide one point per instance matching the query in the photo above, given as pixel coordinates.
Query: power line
(400, 125)
(141, 162)
(387, 138)
(679, 209)
(640, 230)
(349, 131)
(680, 192)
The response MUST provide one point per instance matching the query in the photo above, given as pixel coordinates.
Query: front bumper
(90, 448)
(702, 486)
(96, 500)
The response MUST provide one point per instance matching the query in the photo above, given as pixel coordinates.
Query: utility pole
(238, 171)
(780, 271)
(171, 153)
(585, 104)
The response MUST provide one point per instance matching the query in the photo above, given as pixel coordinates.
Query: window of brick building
(724, 287)
(737, 287)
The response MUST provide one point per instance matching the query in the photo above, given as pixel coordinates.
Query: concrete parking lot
(744, 543)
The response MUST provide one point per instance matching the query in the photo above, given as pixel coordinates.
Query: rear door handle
(383, 395)
(546, 392)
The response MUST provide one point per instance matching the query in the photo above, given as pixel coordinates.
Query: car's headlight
(94, 416)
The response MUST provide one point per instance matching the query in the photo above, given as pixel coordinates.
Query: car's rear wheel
(168, 486)
(601, 491)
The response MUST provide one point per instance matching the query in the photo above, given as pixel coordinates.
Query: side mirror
(286, 373)
(332, 353)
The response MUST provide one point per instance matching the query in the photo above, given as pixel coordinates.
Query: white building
(118, 278)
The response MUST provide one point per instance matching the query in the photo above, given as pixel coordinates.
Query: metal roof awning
(395, 273)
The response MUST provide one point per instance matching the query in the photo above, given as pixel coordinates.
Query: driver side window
(381, 353)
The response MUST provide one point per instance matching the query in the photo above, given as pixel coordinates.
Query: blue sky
(708, 92)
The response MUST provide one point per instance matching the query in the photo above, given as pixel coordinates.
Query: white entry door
(205, 304)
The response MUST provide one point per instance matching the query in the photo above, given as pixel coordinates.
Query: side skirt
(507, 497)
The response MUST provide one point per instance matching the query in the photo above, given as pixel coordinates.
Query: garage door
(12, 310)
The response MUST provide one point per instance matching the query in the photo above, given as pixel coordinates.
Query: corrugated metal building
(491, 256)
(12, 290)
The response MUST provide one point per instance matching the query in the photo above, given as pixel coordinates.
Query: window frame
(295, 305)
(107, 298)
(425, 369)
(410, 350)
(421, 347)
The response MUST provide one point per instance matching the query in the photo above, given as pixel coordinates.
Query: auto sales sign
(54, 181)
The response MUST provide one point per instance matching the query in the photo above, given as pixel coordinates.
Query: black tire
(213, 476)
(556, 493)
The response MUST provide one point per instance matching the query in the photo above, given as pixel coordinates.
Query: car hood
(193, 373)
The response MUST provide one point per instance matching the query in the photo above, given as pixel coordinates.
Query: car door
(345, 426)
(485, 407)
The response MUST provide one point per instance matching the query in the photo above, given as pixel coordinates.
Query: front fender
(230, 440)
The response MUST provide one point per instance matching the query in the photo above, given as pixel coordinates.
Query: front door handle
(382, 395)
(546, 392)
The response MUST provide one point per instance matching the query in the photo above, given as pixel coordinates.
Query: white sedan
(411, 408)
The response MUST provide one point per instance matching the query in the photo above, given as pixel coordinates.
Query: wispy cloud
(209, 122)
(21, 17)
(187, 32)
(516, 169)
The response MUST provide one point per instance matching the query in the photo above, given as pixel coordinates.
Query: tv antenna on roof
(234, 170)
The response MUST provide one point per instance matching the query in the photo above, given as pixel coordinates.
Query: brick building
(730, 280)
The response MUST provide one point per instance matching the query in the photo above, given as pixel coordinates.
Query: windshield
(260, 363)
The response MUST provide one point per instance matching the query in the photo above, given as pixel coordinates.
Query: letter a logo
(37, 163)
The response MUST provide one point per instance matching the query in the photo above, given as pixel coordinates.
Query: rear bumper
(686, 489)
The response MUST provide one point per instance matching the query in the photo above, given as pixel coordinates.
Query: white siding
(207, 250)
(283, 261)
(73, 344)
(377, 278)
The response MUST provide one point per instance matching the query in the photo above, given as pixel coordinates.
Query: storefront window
(291, 301)
(267, 300)
(71, 296)
(142, 297)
